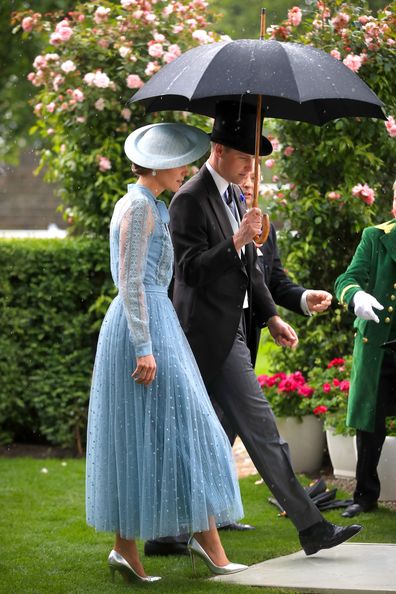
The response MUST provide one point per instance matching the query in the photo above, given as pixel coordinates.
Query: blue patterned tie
(230, 202)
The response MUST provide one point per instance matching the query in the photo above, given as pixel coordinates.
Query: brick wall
(26, 201)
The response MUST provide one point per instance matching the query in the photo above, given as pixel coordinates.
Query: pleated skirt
(158, 461)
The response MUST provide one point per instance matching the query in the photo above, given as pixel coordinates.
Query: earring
(153, 173)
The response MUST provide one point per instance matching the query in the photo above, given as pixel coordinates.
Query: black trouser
(246, 412)
(369, 445)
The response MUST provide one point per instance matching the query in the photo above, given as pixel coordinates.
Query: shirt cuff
(304, 305)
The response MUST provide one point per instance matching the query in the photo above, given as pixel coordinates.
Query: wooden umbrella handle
(262, 238)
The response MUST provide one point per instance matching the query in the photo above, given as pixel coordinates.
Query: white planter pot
(387, 469)
(342, 454)
(306, 441)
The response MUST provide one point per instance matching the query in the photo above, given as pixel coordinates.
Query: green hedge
(53, 294)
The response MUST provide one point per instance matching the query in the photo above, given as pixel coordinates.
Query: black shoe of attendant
(237, 527)
(356, 508)
(163, 549)
(324, 535)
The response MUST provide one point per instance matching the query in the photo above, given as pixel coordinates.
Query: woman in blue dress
(158, 461)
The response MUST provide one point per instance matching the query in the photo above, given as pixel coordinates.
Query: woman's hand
(146, 368)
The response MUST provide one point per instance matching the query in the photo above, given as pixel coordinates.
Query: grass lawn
(47, 548)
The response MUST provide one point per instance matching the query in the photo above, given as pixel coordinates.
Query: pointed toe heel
(116, 562)
(196, 550)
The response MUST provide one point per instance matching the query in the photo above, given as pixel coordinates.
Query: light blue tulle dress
(158, 460)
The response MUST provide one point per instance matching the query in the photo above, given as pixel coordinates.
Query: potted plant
(298, 423)
(331, 390)
(387, 463)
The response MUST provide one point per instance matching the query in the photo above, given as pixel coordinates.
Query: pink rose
(174, 49)
(336, 362)
(353, 62)
(51, 107)
(344, 386)
(78, 95)
(306, 391)
(201, 36)
(151, 68)
(149, 17)
(334, 195)
(40, 62)
(134, 81)
(104, 163)
(124, 51)
(177, 28)
(159, 37)
(155, 50)
(27, 23)
(167, 10)
(262, 380)
(336, 54)
(320, 410)
(340, 21)
(289, 150)
(168, 57)
(126, 114)
(364, 192)
(269, 163)
(68, 66)
(288, 384)
(128, 3)
(326, 388)
(97, 79)
(100, 104)
(294, 16)
(101, 14)
(390, 125)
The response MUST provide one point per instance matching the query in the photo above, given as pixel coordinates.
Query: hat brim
(198, 145)
(245, 145)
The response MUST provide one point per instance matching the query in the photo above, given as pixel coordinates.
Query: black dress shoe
(163, 549)
(238, 527)
(356, 508)
(324, 535)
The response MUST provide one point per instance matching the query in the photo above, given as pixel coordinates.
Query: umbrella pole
(262, 238)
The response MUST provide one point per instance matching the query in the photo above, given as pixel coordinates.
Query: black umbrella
(283, 80)
(297, 82)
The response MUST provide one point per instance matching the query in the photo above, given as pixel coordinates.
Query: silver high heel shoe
(116, 562)
(195, 549)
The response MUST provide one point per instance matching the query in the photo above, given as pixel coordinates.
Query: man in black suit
(216, 278)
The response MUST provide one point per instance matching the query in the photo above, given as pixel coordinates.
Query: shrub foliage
(49, 316)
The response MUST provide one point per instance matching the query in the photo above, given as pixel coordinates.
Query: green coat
(373, 269)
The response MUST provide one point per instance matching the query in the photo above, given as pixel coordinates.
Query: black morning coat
(210, 278)
(284, 291)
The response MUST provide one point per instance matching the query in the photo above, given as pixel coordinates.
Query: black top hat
(235, 126)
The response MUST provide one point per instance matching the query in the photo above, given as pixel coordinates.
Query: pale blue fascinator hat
(167, 145)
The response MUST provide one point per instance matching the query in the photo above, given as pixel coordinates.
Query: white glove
(364, 304)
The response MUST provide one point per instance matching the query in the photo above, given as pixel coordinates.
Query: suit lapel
(216, 203)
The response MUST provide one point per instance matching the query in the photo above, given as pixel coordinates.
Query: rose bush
(324, 393)
(331, 389)
(91, 63)
(289, 394)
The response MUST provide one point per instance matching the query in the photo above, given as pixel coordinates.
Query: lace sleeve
(135, 228)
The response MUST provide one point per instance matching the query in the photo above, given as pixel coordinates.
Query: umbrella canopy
(297, 82)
